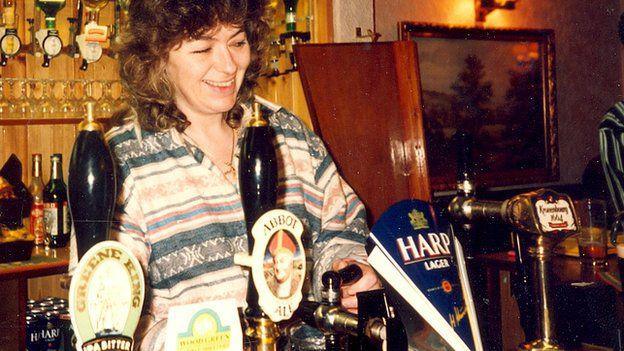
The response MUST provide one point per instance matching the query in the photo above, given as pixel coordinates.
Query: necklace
(229, 167)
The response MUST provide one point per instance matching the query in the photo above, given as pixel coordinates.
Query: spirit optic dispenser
(48, 38)
(90, 42)
(292, 37)
(10, 43)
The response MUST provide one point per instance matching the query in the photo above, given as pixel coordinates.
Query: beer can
(51, 333)
(67, 341)
(34, 340)
(45, 304)
(37, 312)
(59, 307)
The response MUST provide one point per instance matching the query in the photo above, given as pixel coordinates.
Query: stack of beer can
(48, 327)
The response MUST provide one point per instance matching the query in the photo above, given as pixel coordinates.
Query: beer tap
(375, 326)
(258, 190)
(542, 219)
(521, 277)
(329, 317)
(466, 186)
(10, 43)
(95, 318)
(91, 184)
(48, 38)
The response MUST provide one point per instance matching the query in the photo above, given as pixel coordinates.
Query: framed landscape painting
(497, 85)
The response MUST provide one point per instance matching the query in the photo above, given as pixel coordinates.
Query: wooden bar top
(42, 262)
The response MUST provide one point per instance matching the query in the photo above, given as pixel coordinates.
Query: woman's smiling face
(208, 72)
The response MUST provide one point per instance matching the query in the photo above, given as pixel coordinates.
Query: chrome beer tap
(542, 219)
(376, 326)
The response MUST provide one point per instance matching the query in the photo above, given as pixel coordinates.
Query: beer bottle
(57, 223)
(36, 212)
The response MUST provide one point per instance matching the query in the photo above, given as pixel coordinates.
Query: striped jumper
(611, 138)
(184, 220)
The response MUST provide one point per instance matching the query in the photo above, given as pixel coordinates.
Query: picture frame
(496, 84)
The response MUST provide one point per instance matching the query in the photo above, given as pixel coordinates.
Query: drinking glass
(25, 102)
(4, 102)
(13, 109)
(592, 238)
(66, 104)
(106, 101)
(46, 105)
(88, 95)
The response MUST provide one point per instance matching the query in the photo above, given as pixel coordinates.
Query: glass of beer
(592, 238)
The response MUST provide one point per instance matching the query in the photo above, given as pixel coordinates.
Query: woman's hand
(369, 281)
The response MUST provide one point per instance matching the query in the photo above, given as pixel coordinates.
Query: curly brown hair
(157, 26)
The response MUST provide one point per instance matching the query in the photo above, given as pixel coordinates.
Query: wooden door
(365, 103)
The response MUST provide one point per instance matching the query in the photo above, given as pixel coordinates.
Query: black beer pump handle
(345, 276)
(258, 186)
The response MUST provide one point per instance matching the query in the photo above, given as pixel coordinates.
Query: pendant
(230, 170)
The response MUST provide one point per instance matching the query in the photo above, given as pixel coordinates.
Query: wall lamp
(484, 7)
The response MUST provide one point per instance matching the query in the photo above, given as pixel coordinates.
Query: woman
(190, 67)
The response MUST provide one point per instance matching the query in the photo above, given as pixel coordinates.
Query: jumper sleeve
(343, 230)
(611, 138)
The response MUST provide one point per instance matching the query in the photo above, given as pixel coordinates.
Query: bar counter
(498, 318)
(55, 261)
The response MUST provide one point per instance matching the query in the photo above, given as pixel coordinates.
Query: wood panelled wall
(286, 90)
(25, 137)
(38, 135)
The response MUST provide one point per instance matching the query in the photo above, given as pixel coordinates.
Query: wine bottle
(258, 185)
(291, 15)
(36, 211)
(91, 182)
(57, 223)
